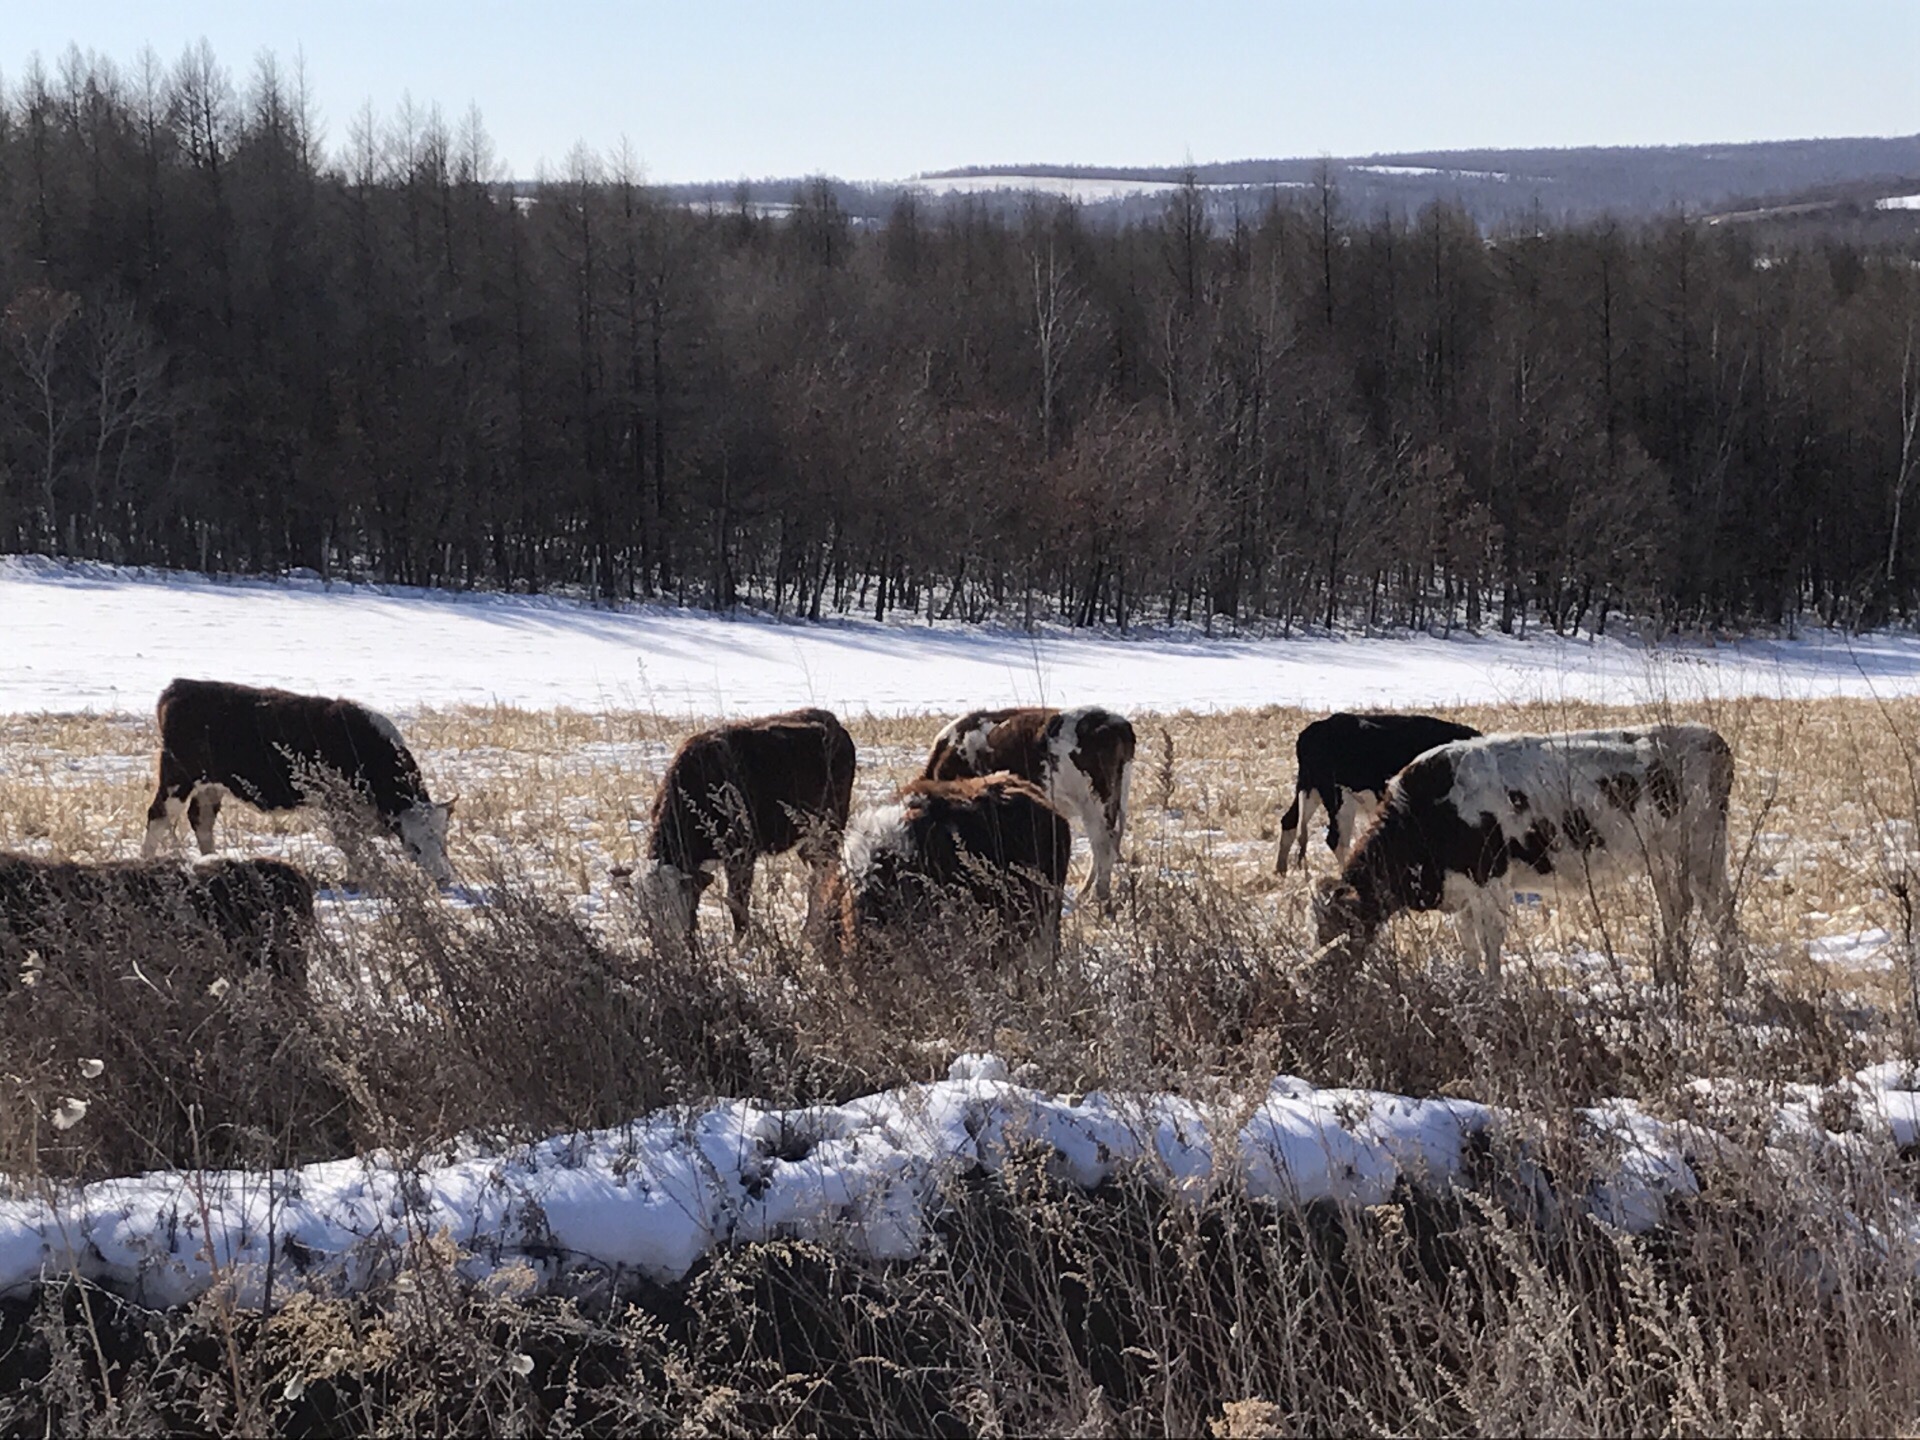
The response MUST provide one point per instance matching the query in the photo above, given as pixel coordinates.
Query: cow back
(270, 747)
(757, 787)
(247, 912)
(982, 742)
(1364, 751)
(994, 841)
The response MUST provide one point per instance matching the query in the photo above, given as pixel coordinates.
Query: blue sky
(712, 89)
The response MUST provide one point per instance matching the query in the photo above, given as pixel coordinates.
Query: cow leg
(1481, 924)
(1675, 899)
(1039, 923)
(1339, 821)
(739, 891)
(1295, 826)
(163, 818)
(1716, 904)
(1363, 810)
(203, 808)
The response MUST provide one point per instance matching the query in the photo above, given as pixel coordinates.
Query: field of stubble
(1821, 830)
(531, 1002)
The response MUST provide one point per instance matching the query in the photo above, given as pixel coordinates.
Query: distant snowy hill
(81, 637)
(1494, 186)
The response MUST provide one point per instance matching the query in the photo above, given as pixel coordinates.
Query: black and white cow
(993, 842)
(258, 911)
(269, 747)
(1082, 760)
(1343, 765)
(1466, 824)
(740, 791)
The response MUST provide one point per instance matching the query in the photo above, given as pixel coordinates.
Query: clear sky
(718, 89)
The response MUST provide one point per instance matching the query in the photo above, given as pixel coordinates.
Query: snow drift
(653, 1197)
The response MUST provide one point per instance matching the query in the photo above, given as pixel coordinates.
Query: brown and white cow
(1344, 763)
(993, 842)
(740, 791)
(271, 748)
(1082, 759)
(260, 912)
(1466, 824)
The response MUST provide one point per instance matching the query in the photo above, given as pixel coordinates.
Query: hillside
(1495, 186)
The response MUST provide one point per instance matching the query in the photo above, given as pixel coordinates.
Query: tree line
(227, 347)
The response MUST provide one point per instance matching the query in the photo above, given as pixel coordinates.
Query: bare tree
(1909, 452)
(125, 369)
(1059, 313)
(39, 327)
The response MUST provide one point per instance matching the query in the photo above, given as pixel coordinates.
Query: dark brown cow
(1466, 824)
(270, 748)
(260, 911)
(1082, 760)
(737, 792)
(993, 841)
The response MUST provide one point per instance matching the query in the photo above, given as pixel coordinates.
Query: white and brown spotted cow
(271, 748)
(988, 849)
(740, 791)
(1466, 824)
(1082, 760)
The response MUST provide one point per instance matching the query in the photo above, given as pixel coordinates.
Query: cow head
(1341, 916)
(423, 833)
(669, 898)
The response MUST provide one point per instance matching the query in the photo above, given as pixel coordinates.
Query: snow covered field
(90, 638)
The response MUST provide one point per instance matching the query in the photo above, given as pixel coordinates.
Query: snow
(1898, 202)
(94, 638)
(655, 1196)
(1087, 189)
(1430, 170)
(1870, 949)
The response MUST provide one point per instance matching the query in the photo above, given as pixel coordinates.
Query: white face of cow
(869, 833)
(669, 893)
(423, 832)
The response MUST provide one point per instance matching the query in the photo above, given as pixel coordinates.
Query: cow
(1343, 763)
(1467, 823)
(994, 842)
(740, 791)
(272, 749)
(259, 911)
(1082, 760)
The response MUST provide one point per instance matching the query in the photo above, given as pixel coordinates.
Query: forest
(230, 344)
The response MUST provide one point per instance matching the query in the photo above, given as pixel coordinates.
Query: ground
(1821, 827)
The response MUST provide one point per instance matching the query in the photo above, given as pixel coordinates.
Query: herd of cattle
(1423, 814)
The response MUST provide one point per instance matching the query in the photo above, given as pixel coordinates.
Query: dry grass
(1042, 1309)
(1821, 823)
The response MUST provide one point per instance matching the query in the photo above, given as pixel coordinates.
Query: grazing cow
(737, 792)
(993, 841)
(270, 748)
(261, 911)
(1344, 763)
(1082, 759)
(1467, 823)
